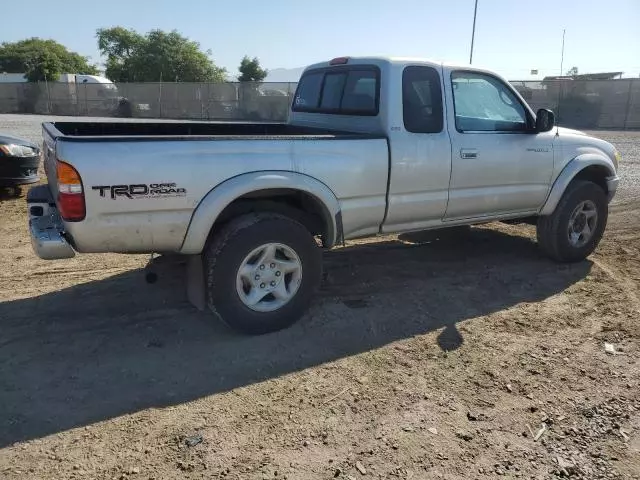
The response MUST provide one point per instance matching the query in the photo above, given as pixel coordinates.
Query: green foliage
(42, 60)
(250, 70)
(572, 72)
(156, 56)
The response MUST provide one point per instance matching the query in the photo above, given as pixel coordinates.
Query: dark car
(19, 161)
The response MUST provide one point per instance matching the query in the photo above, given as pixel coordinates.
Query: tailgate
(49, 137)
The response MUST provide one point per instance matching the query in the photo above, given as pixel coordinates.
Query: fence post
(208, 100)
(75, 99)
(86, 100)
(160, 101)
(200, 85)
(626, 113)
(289, 101)
(48, 96)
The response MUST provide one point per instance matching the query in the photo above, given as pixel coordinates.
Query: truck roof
(400, 62)
(377, 60)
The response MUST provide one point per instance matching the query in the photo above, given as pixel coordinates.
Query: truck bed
(197, 161)
(114, 131)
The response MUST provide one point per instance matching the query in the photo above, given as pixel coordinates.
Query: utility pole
(473, 32)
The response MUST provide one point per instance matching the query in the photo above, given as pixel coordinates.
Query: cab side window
(422, 100)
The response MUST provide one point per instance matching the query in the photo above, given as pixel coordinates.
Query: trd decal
(141, 190)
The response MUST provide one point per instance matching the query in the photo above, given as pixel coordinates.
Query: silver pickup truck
(373, 145)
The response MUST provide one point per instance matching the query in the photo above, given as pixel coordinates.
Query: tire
(242, 243)
(559, 234)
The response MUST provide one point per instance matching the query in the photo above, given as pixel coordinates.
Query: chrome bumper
(45, 226)
(612, 186)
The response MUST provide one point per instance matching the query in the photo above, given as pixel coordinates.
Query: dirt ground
(471, 356)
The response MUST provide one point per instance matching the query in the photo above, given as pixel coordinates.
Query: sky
(512, 36)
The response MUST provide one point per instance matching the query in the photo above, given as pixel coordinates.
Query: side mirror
(545, 120)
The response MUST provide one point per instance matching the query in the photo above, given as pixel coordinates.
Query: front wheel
(572, 232)
(261, 271)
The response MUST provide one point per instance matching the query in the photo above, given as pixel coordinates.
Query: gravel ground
(471, 356)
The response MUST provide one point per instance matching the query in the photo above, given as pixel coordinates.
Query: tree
(572, 72)
(250, 70)
(156, 56)
(118, 45)
(42, 59)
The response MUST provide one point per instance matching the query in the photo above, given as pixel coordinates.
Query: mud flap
(195, 282)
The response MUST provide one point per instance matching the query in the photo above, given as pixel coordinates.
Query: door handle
(468, 153)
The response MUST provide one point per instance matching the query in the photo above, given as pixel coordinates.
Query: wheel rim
(269, 277)
(582, 224)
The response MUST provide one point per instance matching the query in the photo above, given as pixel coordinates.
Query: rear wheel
(261, 272)
(572, 232)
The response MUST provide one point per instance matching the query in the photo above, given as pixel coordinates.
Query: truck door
(499, 164)
(420, 151)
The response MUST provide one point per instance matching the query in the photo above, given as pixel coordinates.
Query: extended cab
(373, 145)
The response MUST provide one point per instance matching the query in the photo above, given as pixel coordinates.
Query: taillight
(70, 193)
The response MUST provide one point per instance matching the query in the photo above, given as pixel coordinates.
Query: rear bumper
(45, 226)
(612, 186)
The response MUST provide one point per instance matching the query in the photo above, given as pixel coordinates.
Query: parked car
(19, 161)
(373, 145)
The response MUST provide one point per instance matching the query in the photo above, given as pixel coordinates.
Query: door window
(486, 104)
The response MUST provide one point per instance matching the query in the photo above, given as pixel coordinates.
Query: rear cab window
(345, 90)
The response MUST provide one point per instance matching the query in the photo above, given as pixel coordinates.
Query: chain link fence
(613, 104)
(194, 101)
